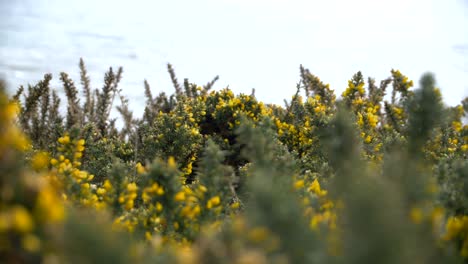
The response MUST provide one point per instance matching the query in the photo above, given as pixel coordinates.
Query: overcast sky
(249, 43)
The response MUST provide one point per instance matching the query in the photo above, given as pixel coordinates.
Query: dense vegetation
(377, 176)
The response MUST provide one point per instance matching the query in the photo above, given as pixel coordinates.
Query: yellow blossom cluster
(320, 212)
(457, 228)
(354, 90)
(11, 136)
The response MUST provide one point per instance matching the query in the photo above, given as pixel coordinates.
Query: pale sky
(249, 43)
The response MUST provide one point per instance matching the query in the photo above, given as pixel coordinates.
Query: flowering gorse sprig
(316, 204)
(11, 135)
(74, 182)
(401, 85)
(299, 127)
(355, 89)
(226, 108)
(152, 201)
(367, 113)
(169, 136)
(321, 211)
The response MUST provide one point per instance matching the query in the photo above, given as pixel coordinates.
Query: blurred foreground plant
(213, 177)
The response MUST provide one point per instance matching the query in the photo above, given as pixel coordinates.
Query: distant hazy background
(249, 43)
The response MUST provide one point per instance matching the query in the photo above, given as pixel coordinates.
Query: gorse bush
(376, 176)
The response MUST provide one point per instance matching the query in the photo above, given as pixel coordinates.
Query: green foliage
(376, 176)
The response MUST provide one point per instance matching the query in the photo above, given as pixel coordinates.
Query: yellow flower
(140, 169)
(214, 201)
(315, 221)
(40, 160)
(145, 197)
(132, 195)
(129, 204)
(22, 220)
(107, 185)
(235, 205)
(360, 89)
(80, 142)
(202, 188)
(132, 187)
(160, 191)
(188, 170)
(18, 139)
(464, 148)
(457, 126)
(78, 155)
(101, 191)
(171, 162)
(315, 188)
(194, 131)
(186, 211)
(148, 236)
(180, 196)
(196, 210)
(373, 119)
(11, 110)
(299, 184)
(398, 111)
(453, 227)
(358, 101)
(319, 109)
(80, 148)
(360, 121)
(327, 205)
(64, 140)
(377, 147)
(368, 139)
(159, 207)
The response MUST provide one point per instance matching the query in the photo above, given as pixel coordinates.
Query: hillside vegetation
(379, 175)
